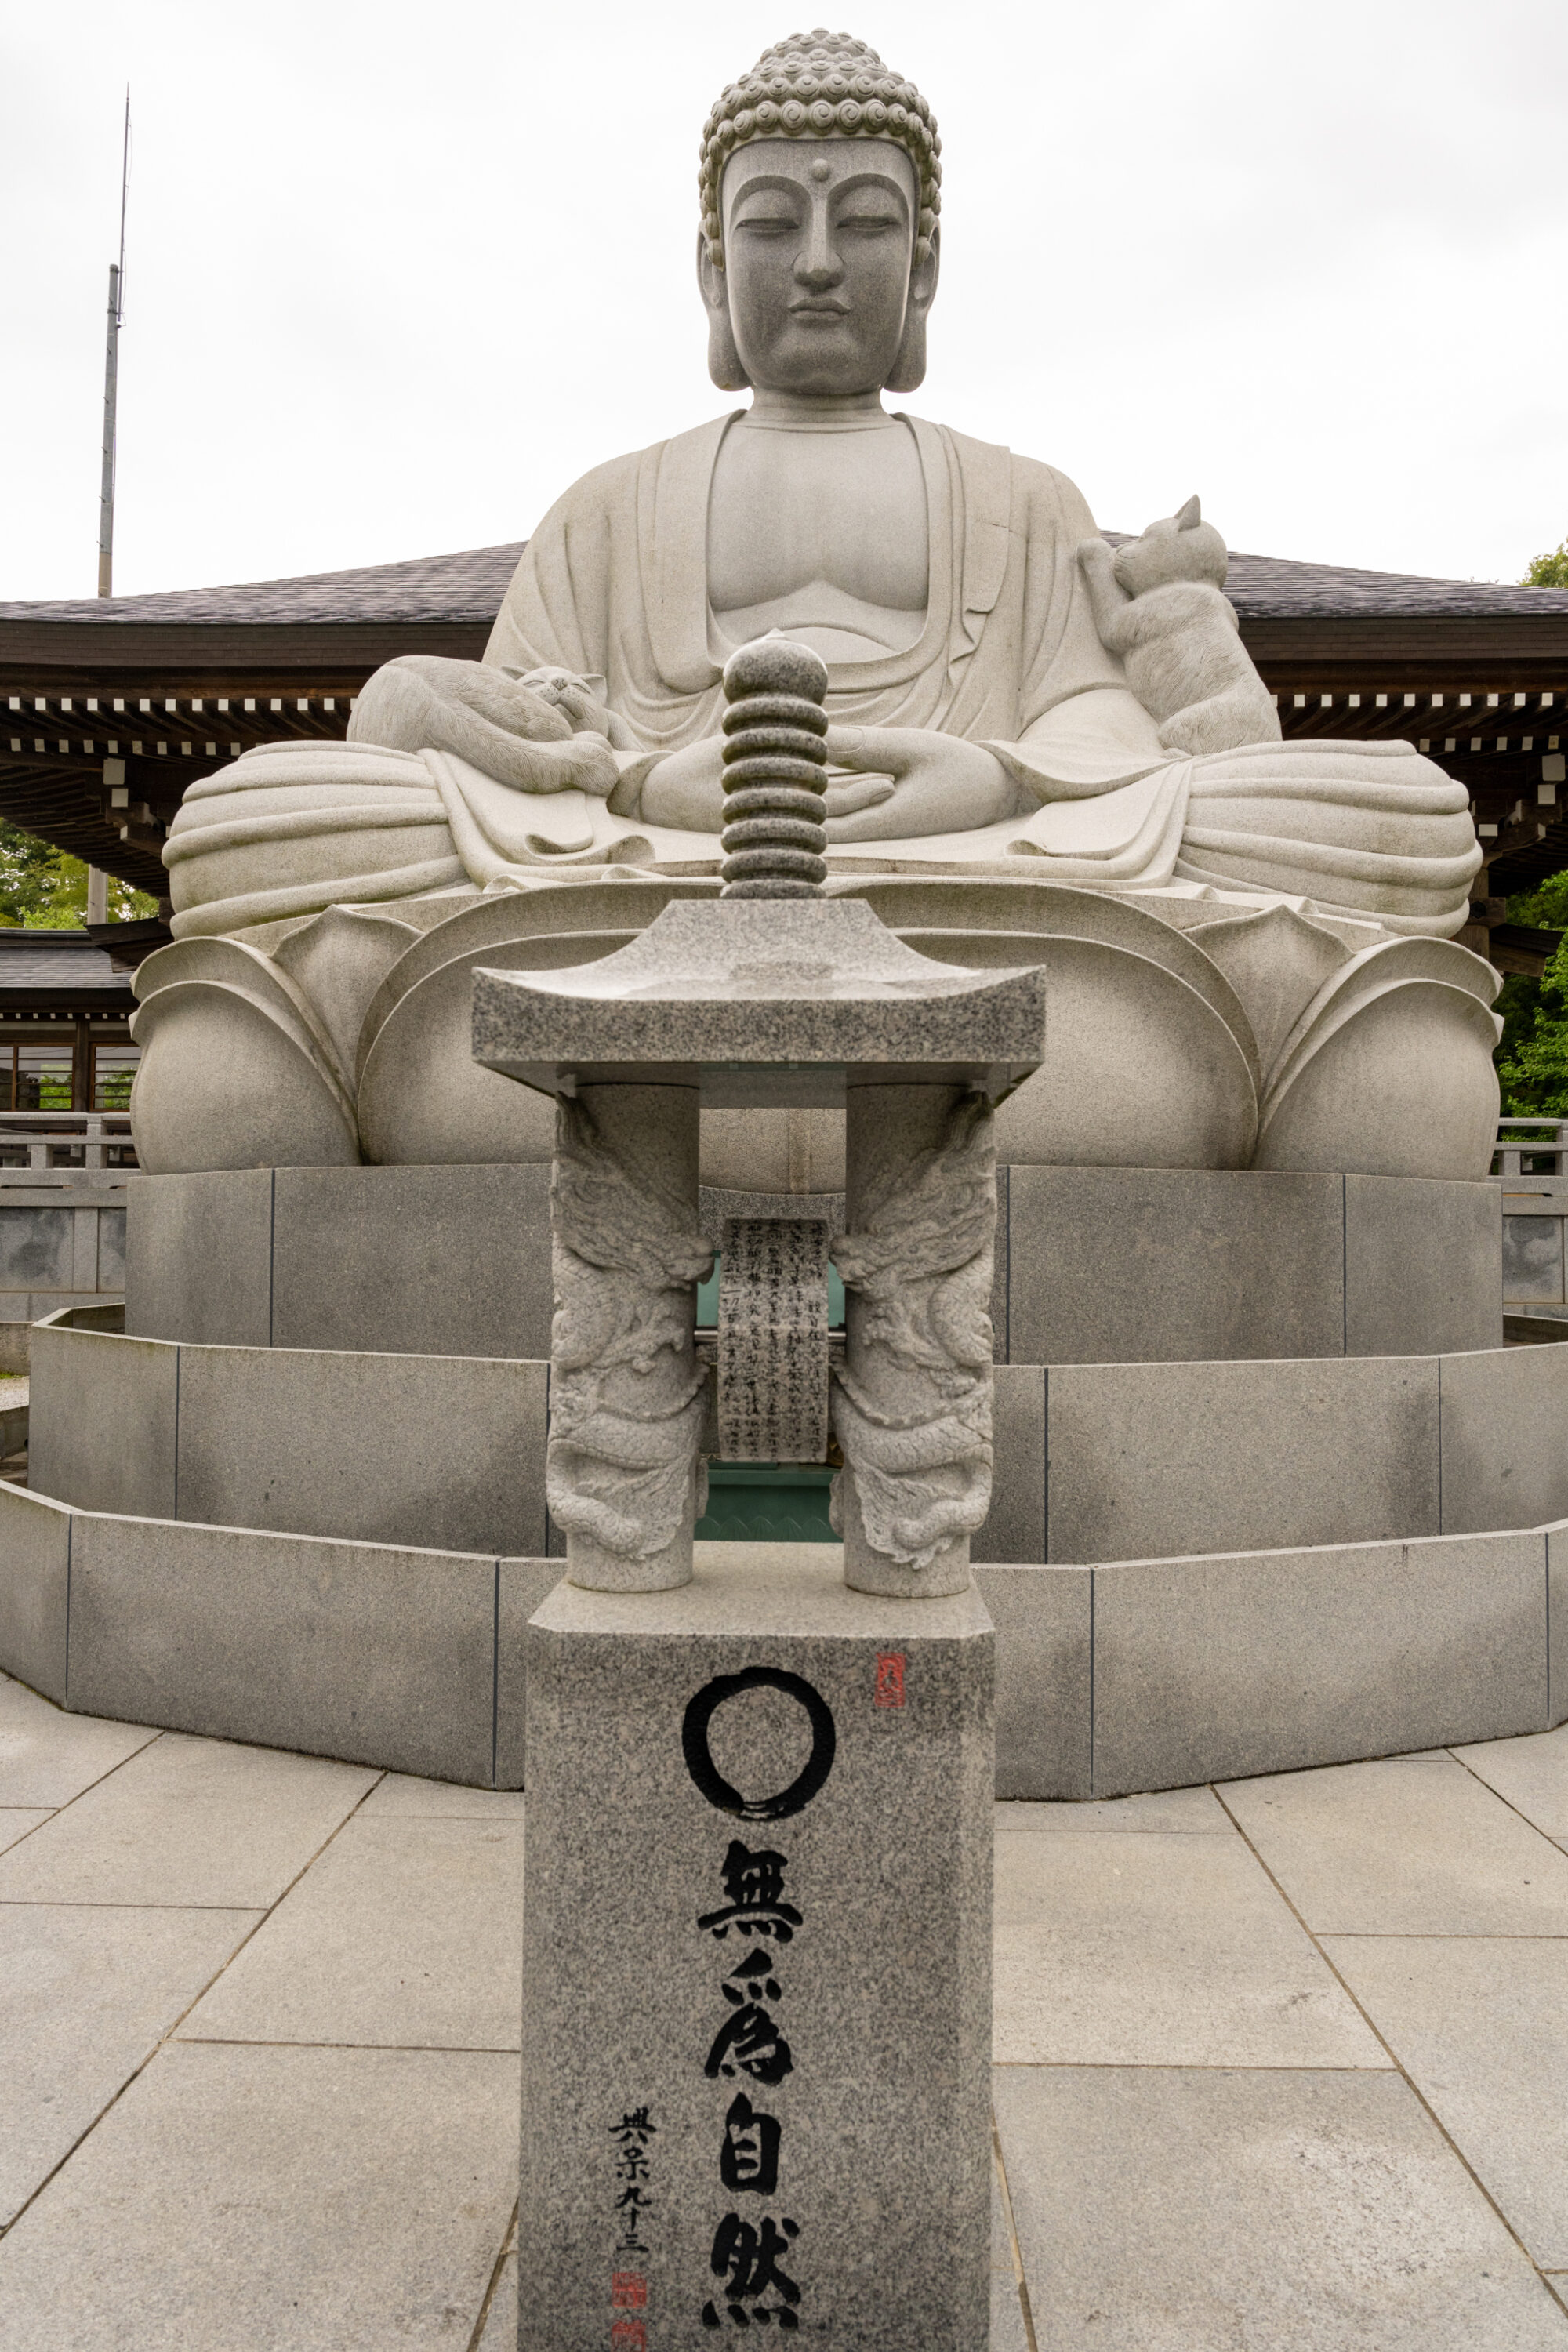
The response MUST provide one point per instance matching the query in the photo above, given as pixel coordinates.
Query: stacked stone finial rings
(776, 762)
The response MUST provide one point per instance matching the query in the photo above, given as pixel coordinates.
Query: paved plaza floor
(1281, 2065)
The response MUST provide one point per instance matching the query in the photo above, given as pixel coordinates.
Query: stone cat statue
(1158, 603)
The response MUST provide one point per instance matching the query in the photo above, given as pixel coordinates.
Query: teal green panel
(766, 1502)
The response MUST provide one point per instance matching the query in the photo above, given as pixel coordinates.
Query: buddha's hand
(684, 789)
(910, 780)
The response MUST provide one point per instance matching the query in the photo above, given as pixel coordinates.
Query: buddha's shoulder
(608, 486)
(1035, 494)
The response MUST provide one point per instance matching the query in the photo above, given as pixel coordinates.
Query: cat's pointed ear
(1190, 516)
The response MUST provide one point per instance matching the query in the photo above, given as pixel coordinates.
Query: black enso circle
(711, 1781)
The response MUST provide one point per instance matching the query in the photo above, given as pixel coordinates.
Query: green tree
(1532, 1057)
(1549, 570)
(43, 888)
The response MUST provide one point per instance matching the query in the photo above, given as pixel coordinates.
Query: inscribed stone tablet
(773, 1339)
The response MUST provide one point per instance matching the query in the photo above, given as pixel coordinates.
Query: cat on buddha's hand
(1159, 605)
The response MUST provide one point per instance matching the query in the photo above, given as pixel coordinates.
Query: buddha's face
(818, 243)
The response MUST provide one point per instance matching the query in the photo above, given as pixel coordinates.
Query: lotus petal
(1277, 962)
(339, 960)
(1389, 1070)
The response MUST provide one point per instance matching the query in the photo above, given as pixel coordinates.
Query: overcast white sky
(398, 274)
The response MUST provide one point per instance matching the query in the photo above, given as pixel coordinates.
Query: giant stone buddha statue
(1010, 703)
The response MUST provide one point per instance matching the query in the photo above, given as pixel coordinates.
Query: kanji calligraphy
(755, 1925)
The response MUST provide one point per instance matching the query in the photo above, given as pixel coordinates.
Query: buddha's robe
(613, 585)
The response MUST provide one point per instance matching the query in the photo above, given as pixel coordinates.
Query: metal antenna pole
(111, 378)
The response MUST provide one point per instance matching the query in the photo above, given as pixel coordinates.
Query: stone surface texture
(1044, 1678)
(1293, 2209)
(814, 2086)
(445, 1261)
(313, 1442)
(1439, 1295)
(1145, 1460)
(1412, 1847)
(1172, 1951)
(34, 1592)
(1015, 1527)
(1502, 1463)
(1305, 1657)
(307, 1442)
(1125, 1675)
(732, 991)
(1405, 2191)
(1140, 1264)
(198, 1258)
(368, 1652)
(87, 1991)
(102, 1415)
(1108, 1263)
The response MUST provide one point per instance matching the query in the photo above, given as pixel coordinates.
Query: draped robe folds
(613, 585)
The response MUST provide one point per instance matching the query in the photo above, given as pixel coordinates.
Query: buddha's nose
(817, 264)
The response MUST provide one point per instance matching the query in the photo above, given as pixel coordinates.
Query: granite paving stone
(403, 1796)
(1257, 2211)
(46, 1757)
(1530, 1774)
(274, 2201)
(86, 1992)
(1168, 1812)
(1129, 1949)
(1403, 1848)
(187, 1821)
(1207, 2148)
(500, 2320)
(1008, 2332)
(1479, 2024)
(17, 1822)
(406, 1931)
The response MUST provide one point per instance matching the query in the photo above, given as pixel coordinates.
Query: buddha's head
(817, 255)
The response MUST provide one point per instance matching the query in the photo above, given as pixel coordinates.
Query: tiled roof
(469, 587)
(464, 587)
(1270, 587)
(38, 959)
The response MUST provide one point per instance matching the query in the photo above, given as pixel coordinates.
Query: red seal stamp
(628, 2290)
(629, 2336)
(890, 1690)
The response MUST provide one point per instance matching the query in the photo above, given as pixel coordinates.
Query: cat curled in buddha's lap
(1159, 606)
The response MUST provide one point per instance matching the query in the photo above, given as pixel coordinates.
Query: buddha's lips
(819, 310)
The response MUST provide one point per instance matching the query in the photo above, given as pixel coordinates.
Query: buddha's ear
(724, 362)
(908, 372)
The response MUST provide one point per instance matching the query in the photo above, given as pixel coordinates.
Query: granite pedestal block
(757, 1966)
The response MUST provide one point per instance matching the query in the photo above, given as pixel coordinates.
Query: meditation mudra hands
(894, 783)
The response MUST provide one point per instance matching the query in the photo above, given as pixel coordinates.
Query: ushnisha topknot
(811, 87)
